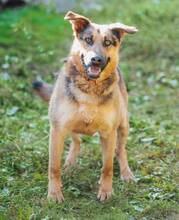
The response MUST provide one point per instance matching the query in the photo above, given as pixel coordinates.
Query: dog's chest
(88, 115)
(91, 119)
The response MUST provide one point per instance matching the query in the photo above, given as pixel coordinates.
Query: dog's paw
(104, 194)
(54, 192)
(55, 196)
(127, 175)
(105, 190)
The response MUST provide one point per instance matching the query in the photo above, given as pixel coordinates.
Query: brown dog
(90, 96)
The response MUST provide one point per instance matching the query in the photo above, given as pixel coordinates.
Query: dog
(89, 96)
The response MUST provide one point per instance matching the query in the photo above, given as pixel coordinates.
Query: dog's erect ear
(79, 22)
(120, 29)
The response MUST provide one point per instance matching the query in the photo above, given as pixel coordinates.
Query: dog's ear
(120, 29)
(79, 22)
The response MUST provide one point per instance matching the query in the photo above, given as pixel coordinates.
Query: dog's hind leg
(73, 151)
(121, 154)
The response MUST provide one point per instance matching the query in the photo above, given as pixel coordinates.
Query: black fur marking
(37, 85)
(114, 43)
(107, 61)
(68, 91)
(117, 34)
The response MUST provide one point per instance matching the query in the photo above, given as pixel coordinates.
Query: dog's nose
(96, 60)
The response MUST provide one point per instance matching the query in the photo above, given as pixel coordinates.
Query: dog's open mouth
(93, 71)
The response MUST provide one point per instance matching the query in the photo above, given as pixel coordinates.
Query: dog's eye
(107, 43)
(89, 40)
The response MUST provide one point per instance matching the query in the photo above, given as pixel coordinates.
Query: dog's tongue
(94, 71)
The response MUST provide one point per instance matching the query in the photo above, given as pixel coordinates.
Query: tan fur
(82, 106)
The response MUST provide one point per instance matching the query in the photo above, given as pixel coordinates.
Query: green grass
(32, 42)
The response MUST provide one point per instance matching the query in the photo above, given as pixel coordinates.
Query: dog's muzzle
(95, 67)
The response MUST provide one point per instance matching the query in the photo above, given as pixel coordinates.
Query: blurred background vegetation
(33, 39)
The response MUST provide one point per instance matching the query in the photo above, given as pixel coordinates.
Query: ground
(32, 42)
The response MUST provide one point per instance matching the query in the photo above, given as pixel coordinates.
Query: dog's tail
(42, 89)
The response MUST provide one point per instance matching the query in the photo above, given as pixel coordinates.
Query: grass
(32, 42)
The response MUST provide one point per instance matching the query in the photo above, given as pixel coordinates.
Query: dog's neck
(77, 83)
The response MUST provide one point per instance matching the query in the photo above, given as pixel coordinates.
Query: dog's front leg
(108, 142)
(56, 143)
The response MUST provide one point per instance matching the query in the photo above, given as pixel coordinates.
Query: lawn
(33, 40)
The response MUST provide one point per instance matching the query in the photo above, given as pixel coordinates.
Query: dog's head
(97, 45)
